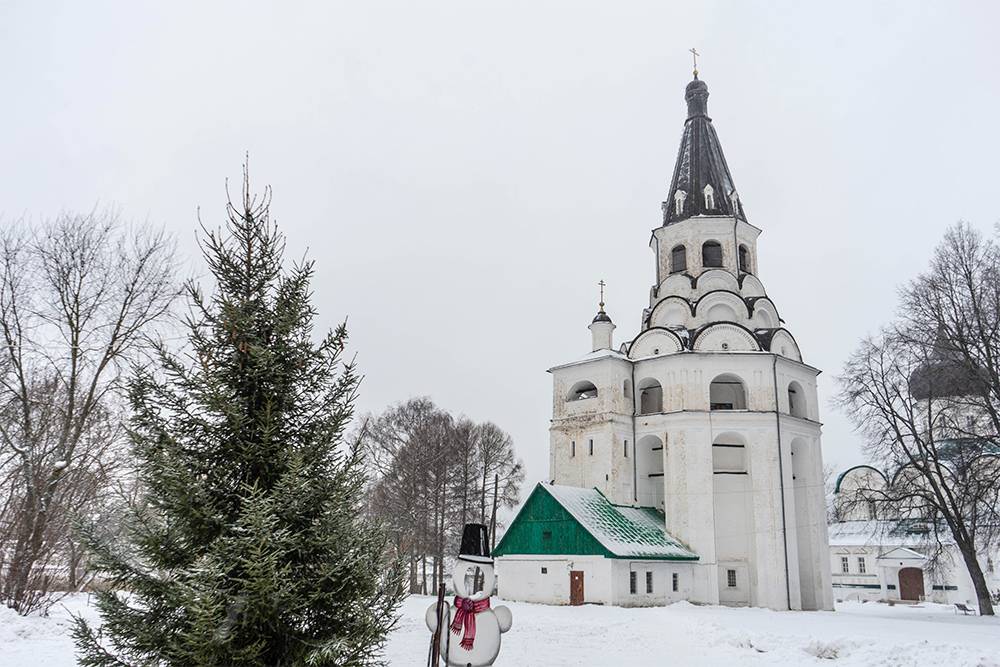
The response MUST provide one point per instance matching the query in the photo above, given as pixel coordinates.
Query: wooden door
(911, 583)
(576, 587)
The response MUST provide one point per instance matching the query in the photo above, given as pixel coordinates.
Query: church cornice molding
(612, 355)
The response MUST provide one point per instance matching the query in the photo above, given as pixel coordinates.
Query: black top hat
(475, 544)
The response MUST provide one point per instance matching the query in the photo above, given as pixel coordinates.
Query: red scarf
(465, 615)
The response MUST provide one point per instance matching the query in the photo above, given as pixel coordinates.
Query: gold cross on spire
(602, 285)
(694, 56)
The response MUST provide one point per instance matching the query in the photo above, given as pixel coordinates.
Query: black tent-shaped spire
(700, 163)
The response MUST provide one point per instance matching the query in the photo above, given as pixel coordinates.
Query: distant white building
(889, 557)
(708, 417)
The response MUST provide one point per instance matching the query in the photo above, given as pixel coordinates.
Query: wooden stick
(436, 637)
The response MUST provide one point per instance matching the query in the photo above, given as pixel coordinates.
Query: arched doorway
(911, 583)
(649, 471)
(733, 502)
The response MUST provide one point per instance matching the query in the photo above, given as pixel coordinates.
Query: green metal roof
(566, 520)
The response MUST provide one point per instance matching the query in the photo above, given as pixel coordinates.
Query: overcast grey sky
(464, 173)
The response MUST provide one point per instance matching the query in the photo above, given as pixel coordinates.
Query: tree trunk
(493, 516)
(26, 550)
(978, 579)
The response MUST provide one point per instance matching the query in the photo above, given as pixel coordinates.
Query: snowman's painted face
(464, 579)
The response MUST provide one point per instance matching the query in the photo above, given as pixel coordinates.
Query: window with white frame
(731, 578)
(649, 582)
(861, 564)
(674, 582)
(709, 197)
(845, 564)
(632, 583)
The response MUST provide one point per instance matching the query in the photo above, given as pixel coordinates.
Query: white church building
(685, 462)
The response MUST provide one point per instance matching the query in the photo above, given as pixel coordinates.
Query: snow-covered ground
(682, 634)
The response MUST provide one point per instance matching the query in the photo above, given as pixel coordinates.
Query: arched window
(709, 197)
(727, 393)
(581, 391)
(796, 400)
(650, 397)
(678, 259)
(744, 259)
(679, 198)
(729, 454)
(711, 254)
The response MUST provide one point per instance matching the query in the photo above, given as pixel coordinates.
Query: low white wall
(663, 592)
(521, 578)
(605, 580)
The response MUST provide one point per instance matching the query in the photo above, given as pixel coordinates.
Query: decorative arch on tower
(671, 311)
(655, 341)
(724, 337)
(677, 284)
(780, 342)
(721, 306)
(717, 279)
(764, 312)
(750, 286)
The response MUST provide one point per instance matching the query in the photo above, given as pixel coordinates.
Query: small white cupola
(709, 197)
(602, 328)
(679, 198)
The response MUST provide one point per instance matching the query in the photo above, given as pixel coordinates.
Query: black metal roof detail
(946, 374)
(700, 163)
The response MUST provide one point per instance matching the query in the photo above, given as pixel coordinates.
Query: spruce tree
(248, 545)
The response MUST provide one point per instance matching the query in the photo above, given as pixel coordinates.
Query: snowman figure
(473, 627)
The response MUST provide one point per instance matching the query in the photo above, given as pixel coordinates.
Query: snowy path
(683, 634)
(679, 635)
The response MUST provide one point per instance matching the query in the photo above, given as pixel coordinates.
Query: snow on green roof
(622, 531)
(625, 531)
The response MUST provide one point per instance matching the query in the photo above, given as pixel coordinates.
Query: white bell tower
(708, 413)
